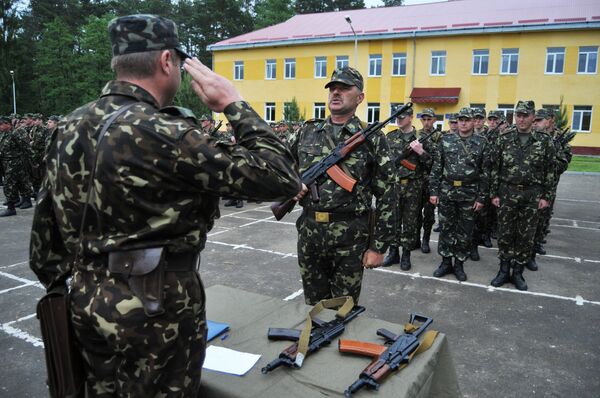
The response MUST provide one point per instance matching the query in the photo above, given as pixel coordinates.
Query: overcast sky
(372, 3)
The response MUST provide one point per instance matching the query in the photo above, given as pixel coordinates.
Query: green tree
(272, 12)
(392, 3)
(188, 99)
(10, 23)
(562, 118)
(316, 6)
(291, 111)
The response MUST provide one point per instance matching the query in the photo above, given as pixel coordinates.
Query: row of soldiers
(493, 180)
(23, 142)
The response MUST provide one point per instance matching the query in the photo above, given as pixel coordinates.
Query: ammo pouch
(144, 271)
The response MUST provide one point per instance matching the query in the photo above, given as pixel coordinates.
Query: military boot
(425, 242)
(503, 275)
(393, 257)
(532, 264)
(19, 202)
(9, 211)
(474, 255)
(517, 277)
(405, 260)
(487, 241)
(436, 228)
(445, 267)
(539, 249)
(26, 204)
(459, 272)
(230, 202)
(239, 204)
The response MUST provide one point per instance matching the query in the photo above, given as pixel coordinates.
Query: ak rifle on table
(328, 165)
(321, 334)
(386, 358)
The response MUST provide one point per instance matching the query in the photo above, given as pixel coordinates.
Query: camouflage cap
(428, 112)
(478, 112)
(28, 116)
(496, 114)
(15, 116)
(143, 32)
(466, 113)
(347, 75)
(56, 118)
(5, 119)
(38, 116)
(542, 114)
(453, 117)
(525, 107)
(407, 112)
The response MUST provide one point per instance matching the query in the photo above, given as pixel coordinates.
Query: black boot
(230, 202)
(517, 277)
(503, 275)
(445, 267)
(436, 228)
(26, 204)
(494, 234)
(19, 202)
(532, 264)
(459, 272)
(239, 204)
(9, 211)
(425, 242)
(405, 260)
(474, 255)
(487, 241)
(539, 249)
(393, 257)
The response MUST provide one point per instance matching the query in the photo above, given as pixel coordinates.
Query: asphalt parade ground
(505, 343)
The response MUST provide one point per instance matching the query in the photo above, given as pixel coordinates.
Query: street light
(355, 40)
(12, 75)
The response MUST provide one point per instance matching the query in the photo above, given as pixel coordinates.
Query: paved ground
(544, 342)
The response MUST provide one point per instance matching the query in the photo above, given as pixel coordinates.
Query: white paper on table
(229, 361)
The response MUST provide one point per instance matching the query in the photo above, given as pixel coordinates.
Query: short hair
(137, 65)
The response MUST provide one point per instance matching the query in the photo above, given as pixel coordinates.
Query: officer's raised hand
(215, 91)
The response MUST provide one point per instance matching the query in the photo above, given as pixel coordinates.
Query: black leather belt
(326, 217)
(173, 262)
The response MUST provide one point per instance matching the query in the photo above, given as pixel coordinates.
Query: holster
(144, 271)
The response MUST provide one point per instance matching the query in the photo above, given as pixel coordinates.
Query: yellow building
(440, 55)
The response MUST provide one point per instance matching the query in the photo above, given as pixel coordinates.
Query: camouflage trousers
(483, 222)
(129, 354)
(16, 181)
(517, 222)
(457, 220)
(409, 217)
(428, 209)
(330, 257)
(544, 221)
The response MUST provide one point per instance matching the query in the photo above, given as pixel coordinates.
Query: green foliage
(272, 12)
(392, 3)
(188, 99)
(585, 163)
(562, 118)
(314, 6)
(291, 111)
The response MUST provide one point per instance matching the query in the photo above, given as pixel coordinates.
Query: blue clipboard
(215, 329)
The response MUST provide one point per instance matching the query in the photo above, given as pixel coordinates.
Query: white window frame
(289, 69)
(319, 109)
(578, 115)
(341, 61)
(320, 67)
(553, 55)
(508, 109)
(372, 109)
(478, 57)
(393, 106)
(238, 70)
(375, 62)
(508, 54)
(270, 109)
(588, 51)
(398, 61)
(270, 69)
(438, 58)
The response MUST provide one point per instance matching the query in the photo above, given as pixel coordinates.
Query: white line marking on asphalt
(21, 334)
(575, 224)
(579, 300)
(10, 289)
(253, 248)
(14, 265)
(578, 200)
(22, 280)
(294, 295)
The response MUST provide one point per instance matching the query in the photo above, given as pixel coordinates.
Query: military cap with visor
(428, 112)
(56, 118)
(497, 114)
(407, 112)
(143, 32)
(465, 113)
(525, 107)
(453, 117)
(479, 112)
(346, 75)
(542, 114)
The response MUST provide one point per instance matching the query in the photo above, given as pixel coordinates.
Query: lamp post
(12, 75)
(355, 40)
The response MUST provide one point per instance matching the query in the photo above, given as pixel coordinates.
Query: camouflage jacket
(464, 160)
(528, 165)
(157, 182)
(430, 145)
(39, 139)
(563, 152)
(15, 145)
(370, 164)
(398, 141)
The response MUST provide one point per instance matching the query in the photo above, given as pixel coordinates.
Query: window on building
(393, 107)
(289, 68)
(510, 61)
(374, 65)
(341, 61)
(269, 111)
(481, 59)
(238, 70)
(271, 69)
(319, 110)
(439, 122)
(588, 59)
(555, 60)
(399, 64)
(320, 67)
(582, 118)
(508, 110)
(438, 63)
(476, 105)
(372, 112)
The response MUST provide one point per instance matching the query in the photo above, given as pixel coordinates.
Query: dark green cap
(479, 112)
(56, 118)
(465, 113)
(453, 117)
(496, 114)
(525, 107)
(428, 112)
(347, 75)
(542, 114)
(5, 119)
(143, 32)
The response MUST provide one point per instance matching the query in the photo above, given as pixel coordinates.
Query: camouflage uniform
(459, 178)
(333, 234)
(156, 186)
(39, 139)
(523, 175)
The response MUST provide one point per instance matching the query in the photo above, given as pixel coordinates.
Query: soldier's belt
(404, 181)
(326, 217)
(521, 187)
(461, 183)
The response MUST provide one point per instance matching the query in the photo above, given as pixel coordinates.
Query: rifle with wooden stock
(329, 165)
(408, 150)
